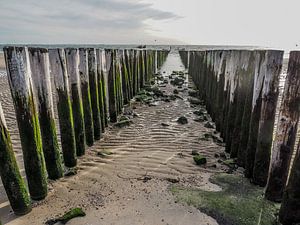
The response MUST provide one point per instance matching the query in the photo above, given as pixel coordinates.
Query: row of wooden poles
(90, 88)
(240, 89)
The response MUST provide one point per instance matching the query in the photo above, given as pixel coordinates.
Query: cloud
(78, 21)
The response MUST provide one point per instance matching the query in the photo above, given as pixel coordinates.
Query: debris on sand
(165, 124)
(195, 101)
(193, 93)
(173, 180)
(177, 81)
(123, 122)
(73, 213)
(182, 120)
(199, 160)
(104, 153)
(175, 91)
(71, 172)
(209, 125)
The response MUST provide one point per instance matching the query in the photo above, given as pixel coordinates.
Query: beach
(131, 185)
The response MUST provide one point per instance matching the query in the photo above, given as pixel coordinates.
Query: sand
(2, 62)
(129, 187)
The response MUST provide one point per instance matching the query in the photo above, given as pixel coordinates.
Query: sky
(267, 23)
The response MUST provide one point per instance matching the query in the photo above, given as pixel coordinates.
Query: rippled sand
(113, 190)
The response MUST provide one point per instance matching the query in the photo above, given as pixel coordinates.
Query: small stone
(173, 180)
(195, 101)
(209, 125)
(165, 124)
(182, 120)
(200, 160)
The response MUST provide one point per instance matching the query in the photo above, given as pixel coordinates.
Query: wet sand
(131, 186)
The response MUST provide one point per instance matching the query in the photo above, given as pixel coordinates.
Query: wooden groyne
(240, 89)
(88, 86)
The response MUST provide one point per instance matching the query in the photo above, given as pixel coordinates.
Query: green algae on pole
(86, 96)
(289, 212)
(101, 88)
(111, 85)
(39, 60)
(270, 93)
(286, 131)
(72, 59)
(59, 73)
(19, 77)
(13, 183)
(94, 92)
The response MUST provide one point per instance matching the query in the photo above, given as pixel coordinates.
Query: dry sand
(2, 62)
(113, 190)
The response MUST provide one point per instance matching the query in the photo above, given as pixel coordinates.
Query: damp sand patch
(239, 202)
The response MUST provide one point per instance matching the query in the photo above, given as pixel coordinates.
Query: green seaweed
(73, 213)
(199, 159)
(239, 203)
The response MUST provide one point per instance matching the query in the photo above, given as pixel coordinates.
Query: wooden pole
(290, 207)
(39, 60)
(86, 96)
(112, 90)
(101, 89)
(10, 175)
(286, 131)
(260, 62)
(266, 124)
(58, 71)
(104, 74)
(19, 77)
(245, 125)
(94, 92)
(72, 58)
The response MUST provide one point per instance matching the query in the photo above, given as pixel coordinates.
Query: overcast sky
(270, 23)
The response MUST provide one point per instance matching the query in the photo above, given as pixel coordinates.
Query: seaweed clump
(239, 202)
(73, 213)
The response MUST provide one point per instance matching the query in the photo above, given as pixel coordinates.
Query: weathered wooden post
(112, 90)
(104, 74)
(39, 60)
(286, 131)
(245, 126)
(290, 207)
(58, 70)
(118, 81)
(101, 88)
(72, 58)
(260, 63)
(19, 77)
(86, 96)
(270, 93)
(94, 92)
(10, 175)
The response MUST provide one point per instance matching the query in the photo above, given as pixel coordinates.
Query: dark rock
(165, 124)
(175, 91)
(173, 180)
(209, 125)
(182, 120)
(200, 160)
(193, 93)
